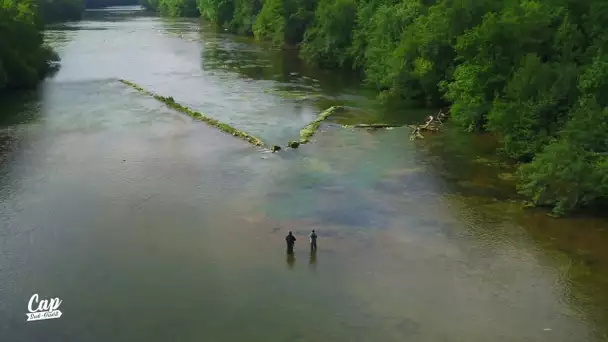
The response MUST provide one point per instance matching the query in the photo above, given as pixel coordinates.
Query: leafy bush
(24, 60)
(284, 22)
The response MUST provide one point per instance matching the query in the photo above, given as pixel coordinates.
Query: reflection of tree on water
(21, 107)
(116, 14)
(253, 60)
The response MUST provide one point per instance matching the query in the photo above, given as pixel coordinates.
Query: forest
(533, 73)
(173, 8)
(24, 59)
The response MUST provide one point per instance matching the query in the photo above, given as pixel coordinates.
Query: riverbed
(152, 226)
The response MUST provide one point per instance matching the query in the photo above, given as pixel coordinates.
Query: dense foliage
(535, 73)
(173, 8)
(24, 59)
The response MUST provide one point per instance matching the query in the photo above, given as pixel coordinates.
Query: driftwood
(432, 123)
(376, 125)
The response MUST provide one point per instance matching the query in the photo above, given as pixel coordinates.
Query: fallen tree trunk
(433, 124)
(375, 125)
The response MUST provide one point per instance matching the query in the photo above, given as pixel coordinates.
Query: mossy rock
(276, 148)
(293, 144)
(169, 101)
(307, 132)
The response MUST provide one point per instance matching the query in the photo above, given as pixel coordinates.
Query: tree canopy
(173, 8)
(24, 59)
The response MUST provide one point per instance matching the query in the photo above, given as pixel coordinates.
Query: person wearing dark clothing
(291, 240)
(313, 240)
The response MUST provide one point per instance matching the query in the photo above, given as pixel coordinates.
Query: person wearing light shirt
(313, 240)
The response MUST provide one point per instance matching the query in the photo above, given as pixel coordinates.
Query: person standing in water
(291, 240)
(313, 240)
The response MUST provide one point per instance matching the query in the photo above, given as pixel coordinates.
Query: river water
(150, 226)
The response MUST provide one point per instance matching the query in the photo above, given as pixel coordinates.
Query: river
(151, 226)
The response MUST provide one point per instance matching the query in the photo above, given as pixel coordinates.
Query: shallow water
(151, 226)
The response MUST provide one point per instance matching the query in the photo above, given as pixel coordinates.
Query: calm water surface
(150, 226)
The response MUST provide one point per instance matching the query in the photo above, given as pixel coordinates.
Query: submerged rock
(199, 116)
(307, 132)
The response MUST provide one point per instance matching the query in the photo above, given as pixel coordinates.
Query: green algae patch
(307, 132)
(170, 102)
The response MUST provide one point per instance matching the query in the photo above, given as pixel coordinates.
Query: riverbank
(528, 93)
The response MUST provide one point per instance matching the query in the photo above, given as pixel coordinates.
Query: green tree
(492, 51)
(179, 8)
(328, 40)
(173, 8)
(284, 22)
(24, 60)
(245, 16)
(220, 12)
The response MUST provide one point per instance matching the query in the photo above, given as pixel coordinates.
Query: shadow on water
(291, 260)
(468, 164)
(20, 110)
(258, 61)
(312, 261)
(20, 107)
(115, 14)
(58, 37)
